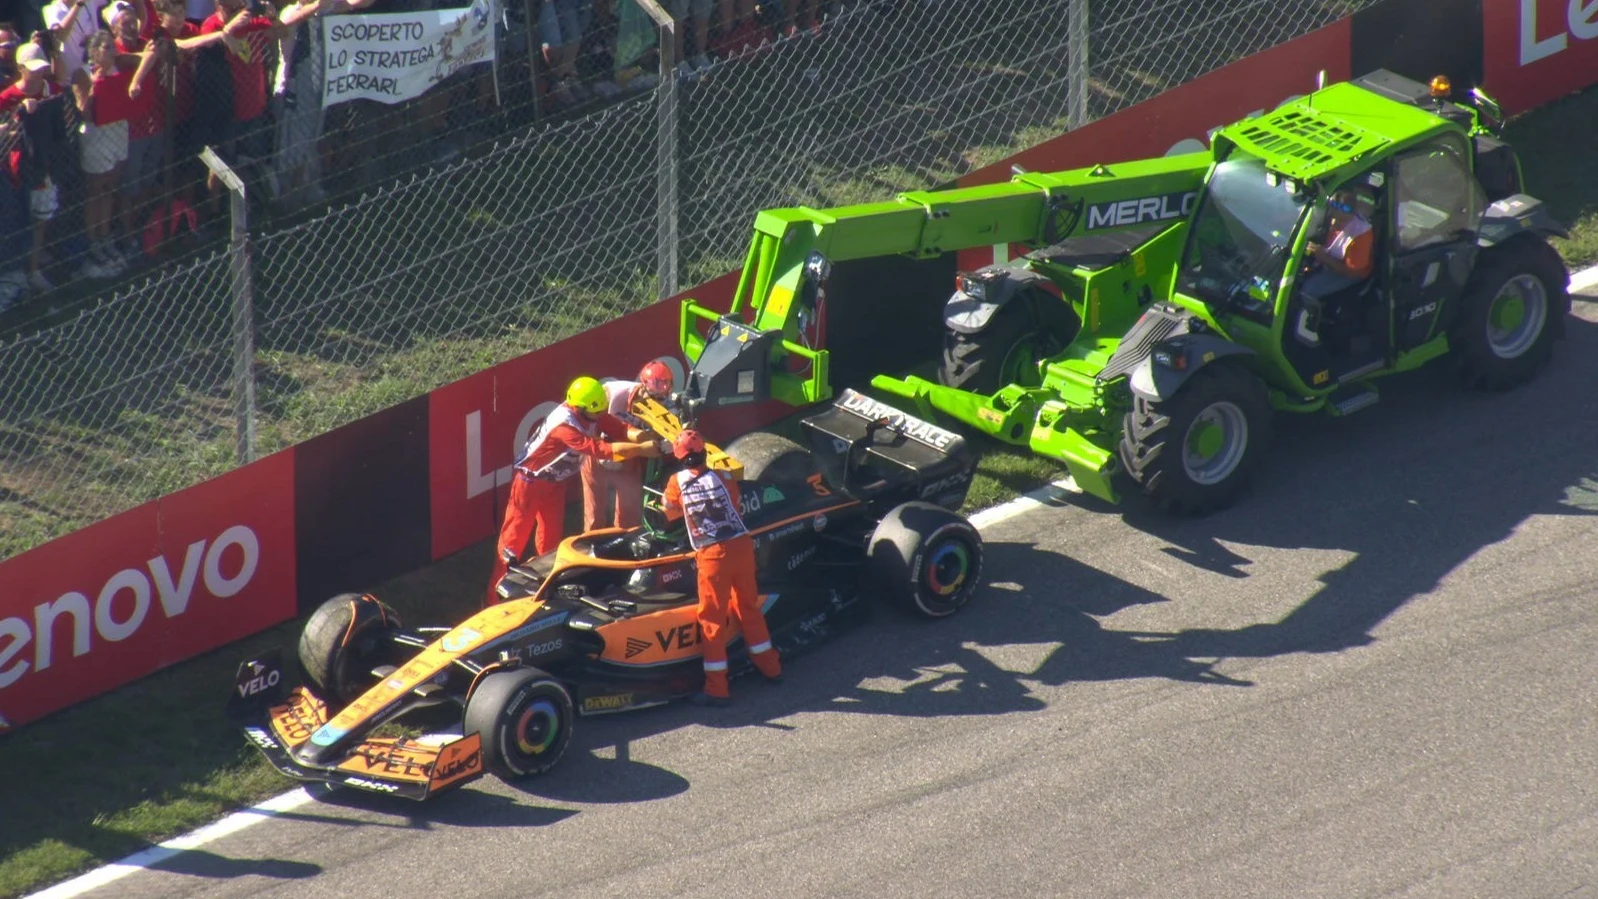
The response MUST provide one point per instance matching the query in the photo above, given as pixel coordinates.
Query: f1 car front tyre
(343, 640)
(1512, 309)
(525, 719)
(928, 558)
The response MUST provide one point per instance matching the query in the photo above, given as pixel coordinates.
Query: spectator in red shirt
(247, 138)
(166, 80)
(102, 94)
(132, 26)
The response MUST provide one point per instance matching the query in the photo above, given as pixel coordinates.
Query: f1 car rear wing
(410, 767)
(878, 450)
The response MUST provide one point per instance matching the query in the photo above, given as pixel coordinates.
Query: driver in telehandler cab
(1350, 245)
(1337, 287)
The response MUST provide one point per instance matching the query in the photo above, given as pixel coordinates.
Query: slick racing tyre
(525, 719)
(1512, 309)
(1195, 451)
(1027, 329)
(772, 458)
(927, 558)
(343, 640)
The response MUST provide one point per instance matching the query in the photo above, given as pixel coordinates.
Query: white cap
(32, 57)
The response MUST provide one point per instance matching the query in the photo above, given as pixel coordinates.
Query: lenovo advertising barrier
(127, 596)
(1536, 51)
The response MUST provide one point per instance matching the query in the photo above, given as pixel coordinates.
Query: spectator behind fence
(32, 109)
(300, 116)
(166, 75)
(71, 22)
(738, 33)
(14, 229)
(561, 24)
(133, 26)
(694, 16)
(241, 135)
(9, 41)
(102, 91)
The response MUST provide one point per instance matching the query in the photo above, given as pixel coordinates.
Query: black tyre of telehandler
(1027, 329)
(1195, 451)
(1512, 309)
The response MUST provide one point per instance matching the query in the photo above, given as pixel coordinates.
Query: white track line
(138, 861)
(1584, 280)
(295, 798)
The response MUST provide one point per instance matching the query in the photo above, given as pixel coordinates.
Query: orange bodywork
(405, 759)
(294, 721)
(658, 638)
(384, 758)
(489, 624)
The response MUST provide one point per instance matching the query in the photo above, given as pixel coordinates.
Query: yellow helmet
(586, 395)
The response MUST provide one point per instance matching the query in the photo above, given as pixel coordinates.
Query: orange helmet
(687, 442)
(657, 379)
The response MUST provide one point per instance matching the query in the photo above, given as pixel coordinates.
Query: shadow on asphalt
(202, 863)
(1412, 487)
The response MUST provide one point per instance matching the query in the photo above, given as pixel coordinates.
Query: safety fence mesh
(509, 208)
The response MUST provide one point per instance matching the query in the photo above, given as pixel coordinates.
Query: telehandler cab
(1167, 307)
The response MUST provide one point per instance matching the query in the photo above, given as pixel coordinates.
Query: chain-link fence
(439, 269)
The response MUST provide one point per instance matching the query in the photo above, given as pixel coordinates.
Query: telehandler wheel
(1194, 452)
(343, 640)
(772, 457)
(1024, 331)
(1510, 313)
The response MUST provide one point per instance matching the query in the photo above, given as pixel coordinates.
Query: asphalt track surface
(1372, 677)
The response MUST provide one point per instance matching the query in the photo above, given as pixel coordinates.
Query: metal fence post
(243, 307)
(1081, 74)
(667, 174)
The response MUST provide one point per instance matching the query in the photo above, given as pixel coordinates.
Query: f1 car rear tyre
(1512, 309)
(772, 457)
(525, 719)
(1195, 451)
(1023, 331)
(343, 640)
(927, 558)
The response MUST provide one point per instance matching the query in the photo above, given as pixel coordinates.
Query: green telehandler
(1166, 308)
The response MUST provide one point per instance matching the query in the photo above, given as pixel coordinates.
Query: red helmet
(656, 378)
(689, 441)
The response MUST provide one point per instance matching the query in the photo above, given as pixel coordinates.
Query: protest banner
(393, 57)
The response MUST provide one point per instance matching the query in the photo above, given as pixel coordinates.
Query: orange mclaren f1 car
(606, 623)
